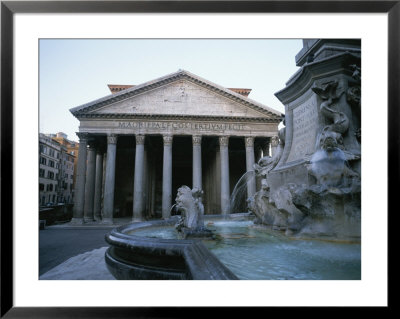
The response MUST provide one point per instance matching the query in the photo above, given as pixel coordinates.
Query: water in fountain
(170, 211)
(257, 253)
(238, 200)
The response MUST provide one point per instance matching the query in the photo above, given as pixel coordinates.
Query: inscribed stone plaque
(305, 126)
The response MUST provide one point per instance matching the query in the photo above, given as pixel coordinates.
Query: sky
(73, 72)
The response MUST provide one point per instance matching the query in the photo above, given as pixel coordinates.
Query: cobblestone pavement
(56, 245)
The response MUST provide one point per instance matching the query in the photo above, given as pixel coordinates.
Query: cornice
(181, 74)
(312, 71)
(81, 116)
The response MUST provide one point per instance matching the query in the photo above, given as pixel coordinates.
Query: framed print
(96, 29)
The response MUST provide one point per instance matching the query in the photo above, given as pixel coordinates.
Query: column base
(137, 220)
(76, 221)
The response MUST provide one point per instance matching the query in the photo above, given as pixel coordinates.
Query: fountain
(312, 185)
(304, 222)
(239, 193)
(132, 256)
(189, 204)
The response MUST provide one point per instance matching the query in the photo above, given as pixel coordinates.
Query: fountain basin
(132, 257)
(241, 250)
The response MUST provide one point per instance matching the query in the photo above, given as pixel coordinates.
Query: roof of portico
(83, 110)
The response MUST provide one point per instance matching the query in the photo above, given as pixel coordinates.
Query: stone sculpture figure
(330, 93)
(189, 204)
(264, 209)
(329, 164)
(354, 97)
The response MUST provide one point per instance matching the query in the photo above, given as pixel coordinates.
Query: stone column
(258, 154)
(197, 171)
(98, 185)
(274, 144)
(217, 180)
(145, 182)
(109, 185)
(138, 180)
(89, 186)
(79, 197)
(225, 191)
(167, 177)
(251, 183)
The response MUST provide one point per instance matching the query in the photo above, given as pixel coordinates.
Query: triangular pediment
(181, 94)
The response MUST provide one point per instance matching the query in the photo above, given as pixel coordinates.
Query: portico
(155, 137)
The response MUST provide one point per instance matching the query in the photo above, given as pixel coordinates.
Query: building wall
(56, 170)
(72, 150)
(49, 162)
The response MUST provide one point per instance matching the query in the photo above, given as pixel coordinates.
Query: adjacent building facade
(141, 143)
(56, 171)
(71, 155)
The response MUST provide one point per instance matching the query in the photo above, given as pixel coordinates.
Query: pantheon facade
(139, 144)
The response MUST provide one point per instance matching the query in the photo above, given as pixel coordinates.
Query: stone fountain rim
(200, 262)
(119, 237)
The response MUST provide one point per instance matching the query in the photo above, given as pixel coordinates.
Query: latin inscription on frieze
(305, 125)
(171, 126)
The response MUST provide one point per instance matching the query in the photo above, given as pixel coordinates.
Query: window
(41, 148)
(41, 172)
(50, 175)
(43, 160)
(41, 187)
(51, 163)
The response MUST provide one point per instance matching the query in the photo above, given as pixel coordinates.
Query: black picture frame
(9, 8)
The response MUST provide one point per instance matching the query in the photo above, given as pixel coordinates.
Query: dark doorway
(182, 154)
(124, 172)
(237, 167)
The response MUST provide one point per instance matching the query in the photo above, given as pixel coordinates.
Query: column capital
(223, 140)
(196, 139)
(167, 139)
(112, 139)
(249, 141)
(83, 137)
(274, 141)
(140, 139)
